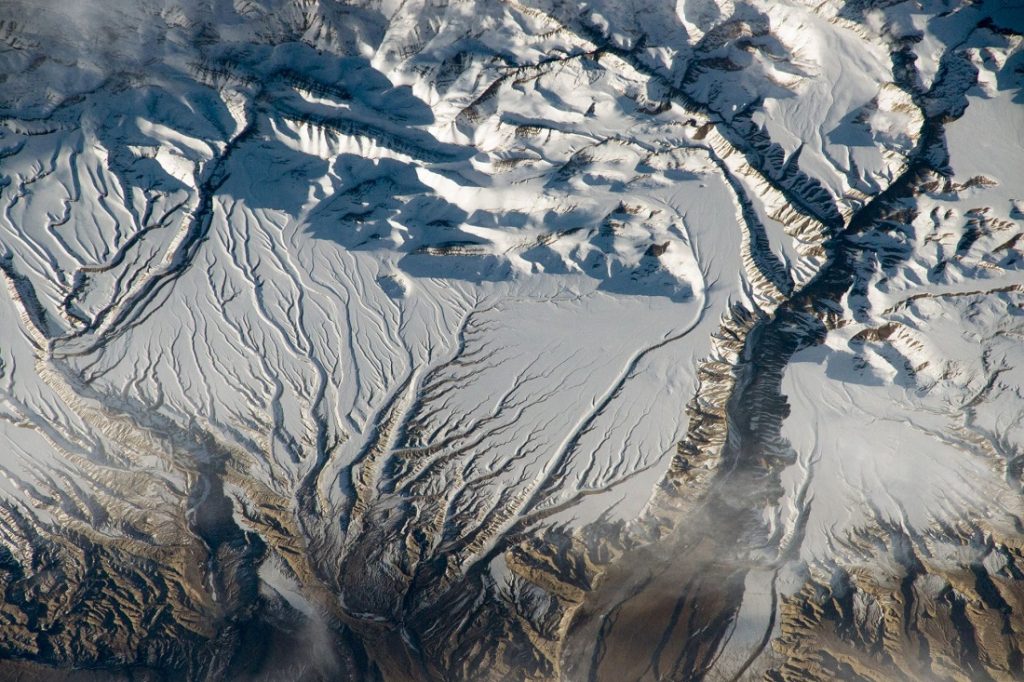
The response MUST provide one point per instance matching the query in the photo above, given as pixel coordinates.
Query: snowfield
(501, 340)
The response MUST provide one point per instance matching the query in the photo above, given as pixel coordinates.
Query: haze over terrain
(498, 340)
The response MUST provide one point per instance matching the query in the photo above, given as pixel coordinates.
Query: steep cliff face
(498, 340)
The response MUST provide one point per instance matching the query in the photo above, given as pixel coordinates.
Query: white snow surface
(910, 414)
(288, 234)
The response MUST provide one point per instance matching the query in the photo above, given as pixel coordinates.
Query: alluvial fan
(497, 340)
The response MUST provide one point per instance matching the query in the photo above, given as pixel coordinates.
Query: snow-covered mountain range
(499, 340)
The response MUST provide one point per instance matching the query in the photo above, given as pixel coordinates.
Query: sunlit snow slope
(497, 340)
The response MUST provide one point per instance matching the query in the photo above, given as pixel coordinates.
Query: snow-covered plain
(342, 310)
